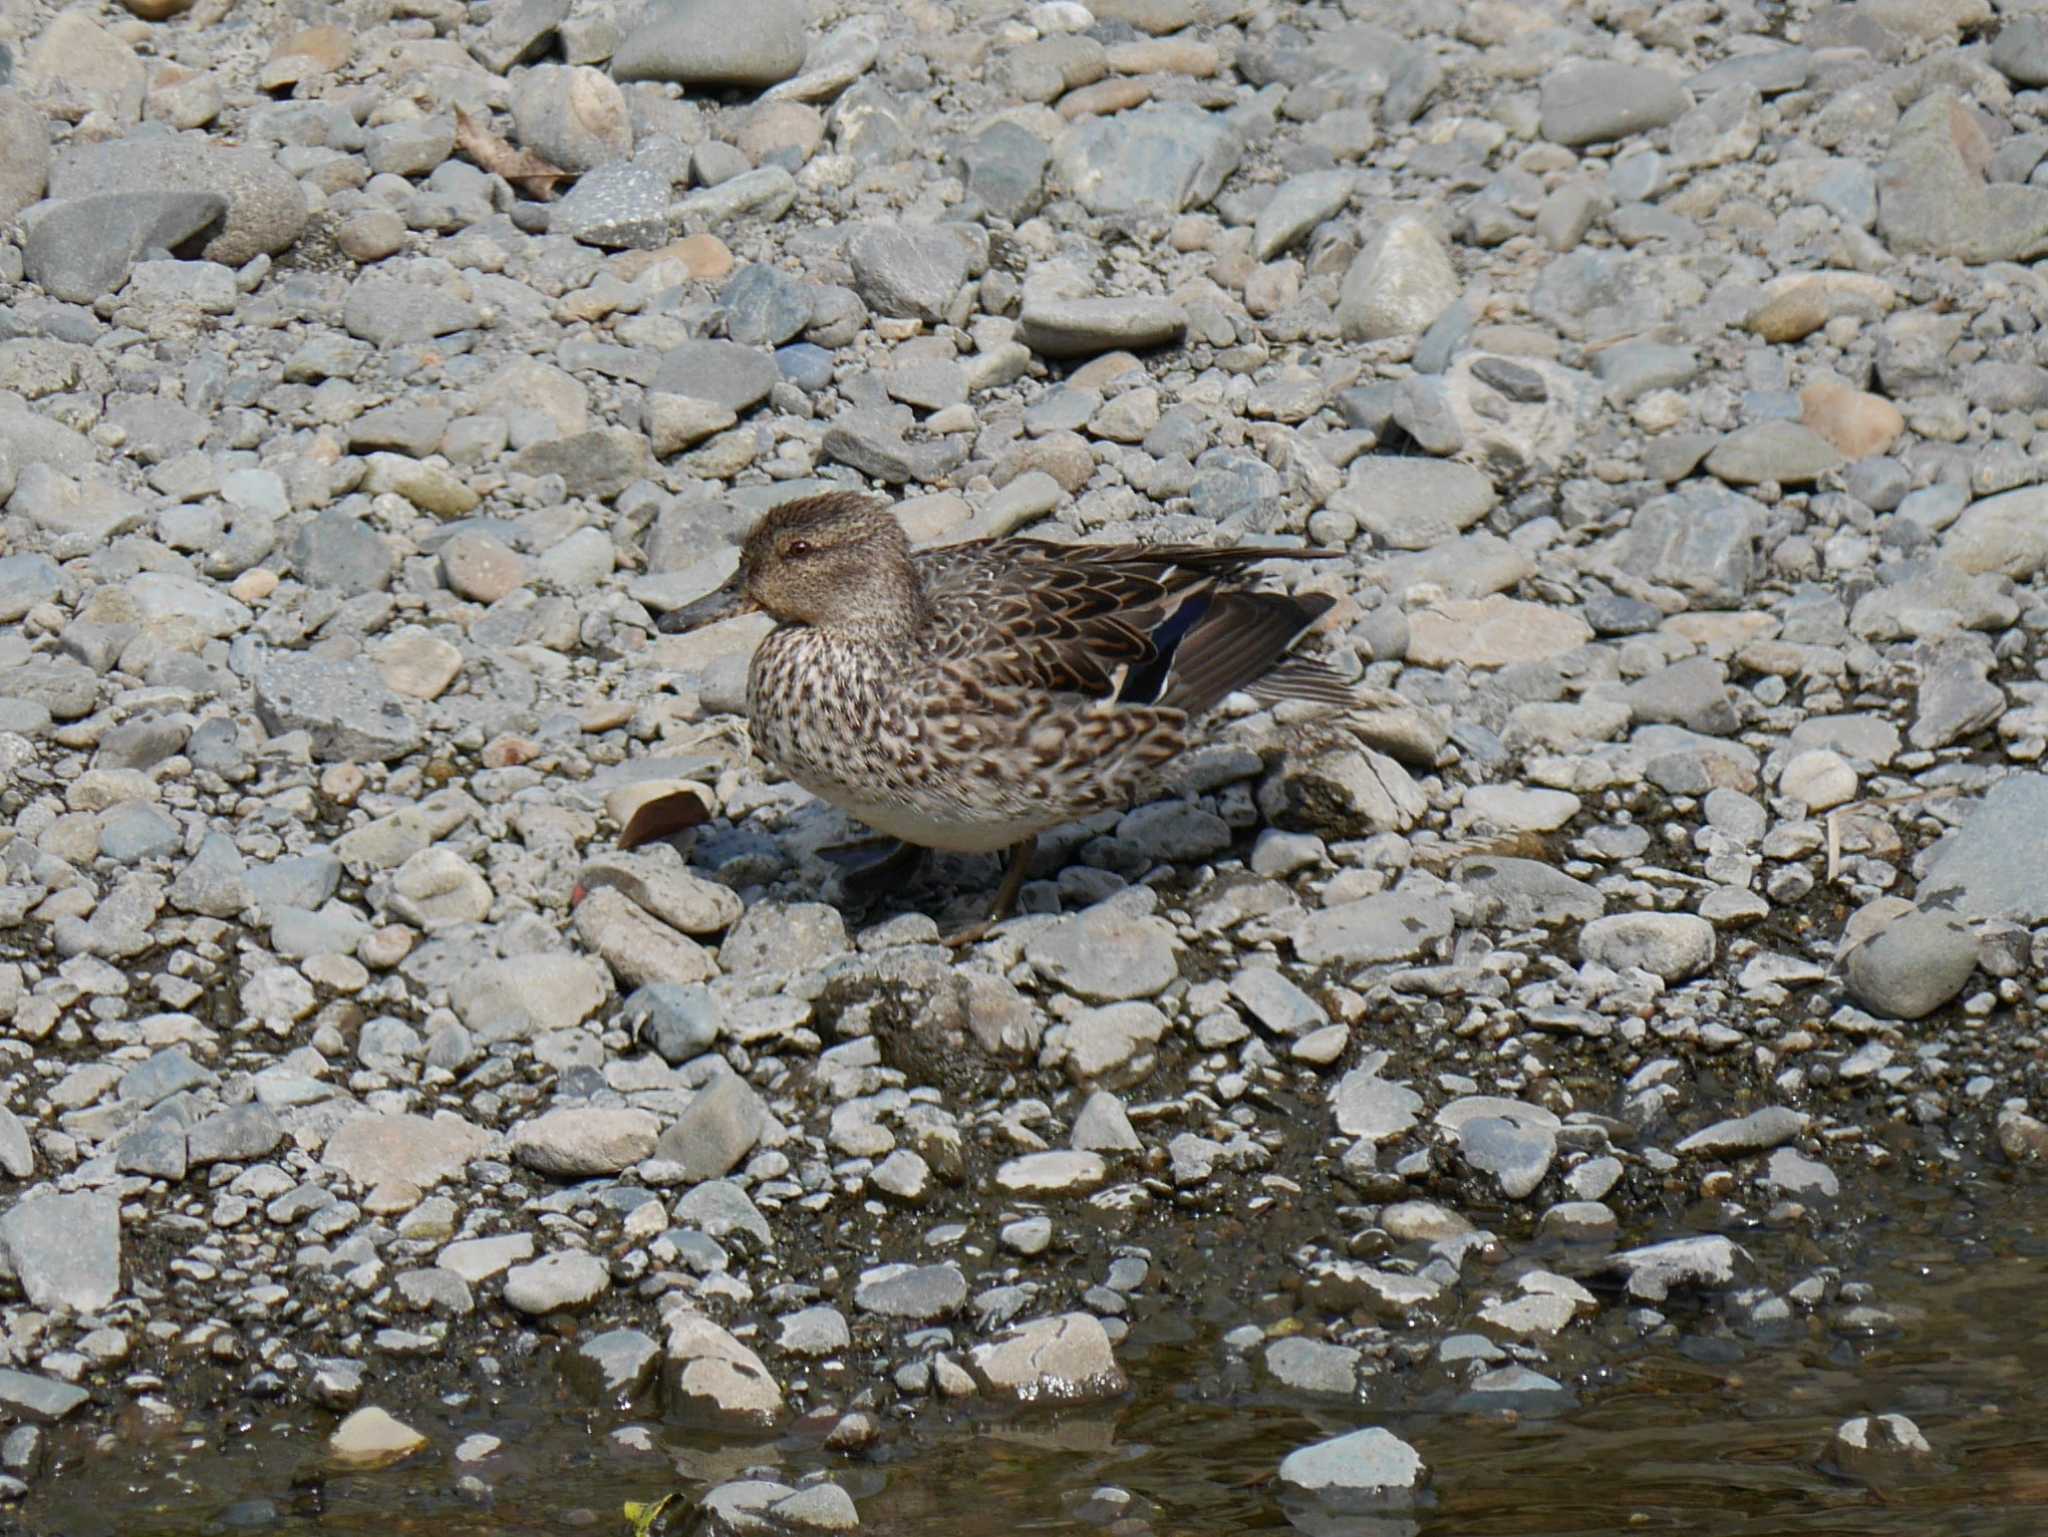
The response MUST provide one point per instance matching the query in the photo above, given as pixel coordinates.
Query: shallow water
(1709, 1433)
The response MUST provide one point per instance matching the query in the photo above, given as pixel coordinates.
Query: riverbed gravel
(1672, 379)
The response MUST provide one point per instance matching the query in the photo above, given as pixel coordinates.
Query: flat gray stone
(616, 207)
(24, 154)
(1004, 168)
(557, 1283)
(25, 581)
(1912, 966)
(1594, 103)
(906, 270)
(1057, 327)
(1389, 927)
(715, 43)
(346, 707)
(1412, 503)
(920, 1292)
(1105, 955)
(1776, 450)
(1757, 1132)
(85, 247)
(1525, 893)
(1673, 946)
(727, 373)
(39, 1400)
(1990, 867)
(717, 1129)
(65, 1250)
(1297, 206)
(1157, 159)
(1932, 197)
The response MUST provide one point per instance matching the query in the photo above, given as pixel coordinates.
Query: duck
(971, 697)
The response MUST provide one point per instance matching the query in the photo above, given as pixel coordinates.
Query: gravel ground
(1671, 377)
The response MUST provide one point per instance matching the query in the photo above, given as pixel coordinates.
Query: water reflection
(1711, 1429)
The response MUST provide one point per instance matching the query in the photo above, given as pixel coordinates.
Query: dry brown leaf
(525, 170)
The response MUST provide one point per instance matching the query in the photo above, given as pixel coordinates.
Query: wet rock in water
(372, 1437)
(613, 1367)
(759, 1504)
(1357, 1473)
(2022, 1138)
(1066, 1359)
(1757, 1132)
(38, 1400)
(1655, 1269)
(1797, 1175)
(1874, 1448)
(557, 1283)
(708, 1373)
(1366, 1105)
(1511, 1141)
(1515, 1390)
(1052, 1174)
(1312, 1366)
(911, 1291)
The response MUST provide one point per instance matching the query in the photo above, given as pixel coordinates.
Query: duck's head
(838, 561)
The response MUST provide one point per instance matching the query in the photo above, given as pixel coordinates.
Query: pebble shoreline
(1672, 377)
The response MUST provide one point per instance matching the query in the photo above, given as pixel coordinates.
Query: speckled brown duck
(974, 696)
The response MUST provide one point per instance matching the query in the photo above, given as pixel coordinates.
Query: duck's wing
(1153, 625)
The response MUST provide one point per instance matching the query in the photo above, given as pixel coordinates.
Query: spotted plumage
(972, 697)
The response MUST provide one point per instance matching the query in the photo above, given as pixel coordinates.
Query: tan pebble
(1164, 56)
(254, 585)
(386, 947)
(1856, 422)
(509, 751)
(343, 782)
(1792, 315)
(605, 714)
(325, 48)
(1105, 97)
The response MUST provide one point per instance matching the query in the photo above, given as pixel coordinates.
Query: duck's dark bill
(722, 603)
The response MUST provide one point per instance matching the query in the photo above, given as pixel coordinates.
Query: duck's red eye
(797, 547)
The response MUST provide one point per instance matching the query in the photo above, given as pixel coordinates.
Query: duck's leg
(874, 876)
(1006, 894)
